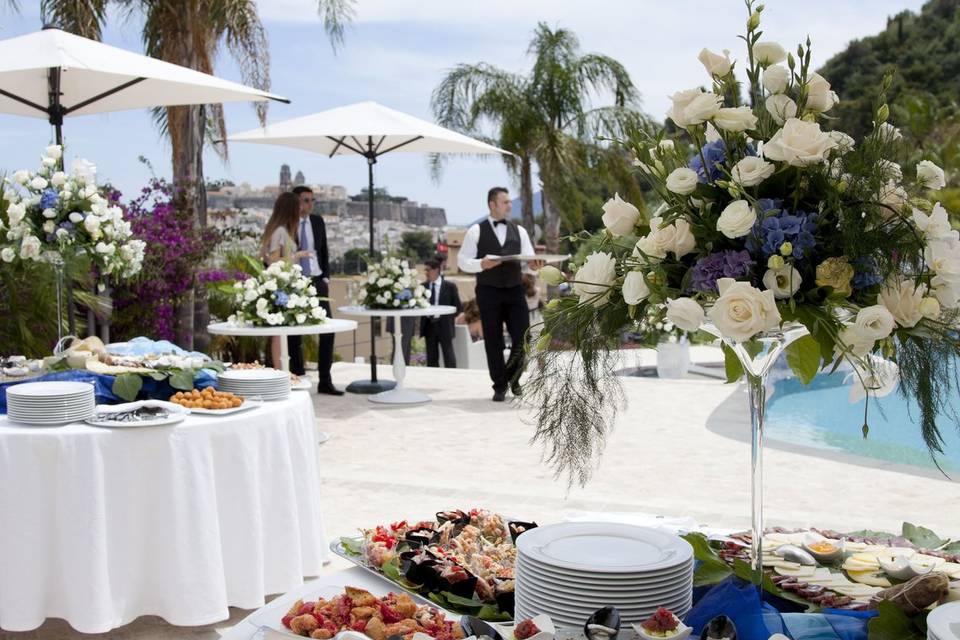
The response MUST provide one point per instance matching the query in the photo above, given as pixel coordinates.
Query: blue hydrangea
(281, 298)
(715, 153)
(777, 225)
(866, 273)
(723, 264)
(49, 199)
(404, 294)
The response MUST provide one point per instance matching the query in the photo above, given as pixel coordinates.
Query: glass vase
(757, 357)
(673, 359)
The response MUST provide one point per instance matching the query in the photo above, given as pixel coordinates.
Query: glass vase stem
(757, 391)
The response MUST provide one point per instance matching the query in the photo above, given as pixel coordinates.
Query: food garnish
(662, 623)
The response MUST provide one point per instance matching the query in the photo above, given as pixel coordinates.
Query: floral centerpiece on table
(276, 296)
(768, 222)
(51, 215)
(392, 284)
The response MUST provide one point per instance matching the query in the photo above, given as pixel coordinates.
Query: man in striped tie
(316, 265)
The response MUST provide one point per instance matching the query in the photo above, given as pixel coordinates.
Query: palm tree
(191, 33)
(543, 117)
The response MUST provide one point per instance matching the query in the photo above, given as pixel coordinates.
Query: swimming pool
(820, 415)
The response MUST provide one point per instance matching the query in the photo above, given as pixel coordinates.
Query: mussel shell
(505, 597)
(522, 526)
(462, 588)
(417, 567)
(476, 627)
(417, 538)
(608, 617)
(719, 627)
(458, 516)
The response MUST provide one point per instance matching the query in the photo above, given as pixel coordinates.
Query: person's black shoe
(516, 390)
(328, 389)
(499, 396)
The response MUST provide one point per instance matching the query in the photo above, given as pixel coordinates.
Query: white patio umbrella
(53, 74)
(370, 130)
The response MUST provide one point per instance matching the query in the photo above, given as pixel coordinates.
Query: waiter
(437, 331)
(500, 294)
(312, 234)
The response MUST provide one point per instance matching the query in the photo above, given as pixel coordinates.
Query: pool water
(820, 415)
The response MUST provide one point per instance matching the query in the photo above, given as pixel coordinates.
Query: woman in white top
(280, 241)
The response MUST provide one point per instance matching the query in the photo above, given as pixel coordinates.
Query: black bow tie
(496, 222)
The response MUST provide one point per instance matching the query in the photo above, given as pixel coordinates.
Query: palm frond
(238, 23)
(454, 101)
(336, 15)
(602, 73)
(81, 17)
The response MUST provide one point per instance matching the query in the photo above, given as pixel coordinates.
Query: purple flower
(723, 264)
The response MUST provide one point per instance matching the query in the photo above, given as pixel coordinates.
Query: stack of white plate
(943, 623)
(570, 570)
(269, 384)
(50, 403)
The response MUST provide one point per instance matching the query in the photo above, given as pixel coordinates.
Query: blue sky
(397, 51)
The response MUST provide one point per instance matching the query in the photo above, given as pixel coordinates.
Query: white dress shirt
(307, 227)
(469, 262)
(435, 297)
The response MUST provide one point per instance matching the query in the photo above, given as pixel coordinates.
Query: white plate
(49, 388)
(246, 406)
(539, 593)
(51, 404)
(101, 418)
(544, 257)
(943, 623)
(604, 547)
(641, 591)
(611, 580)
(51, 410)
(253, 375)
(575, 619)
(162, 422)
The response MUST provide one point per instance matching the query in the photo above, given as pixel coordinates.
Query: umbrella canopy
(53, 74)
(364, 128)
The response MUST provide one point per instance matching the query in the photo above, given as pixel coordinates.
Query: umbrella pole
(371, 160)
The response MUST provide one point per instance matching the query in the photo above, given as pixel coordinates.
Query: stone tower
(285, 184)
(299, 179)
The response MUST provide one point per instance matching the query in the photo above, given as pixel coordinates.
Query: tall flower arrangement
(767, 220)
(50, 215)
(278, 295)
(392, 284)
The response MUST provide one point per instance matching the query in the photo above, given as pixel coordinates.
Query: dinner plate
(606, 579)
(540, 594)
(246, 406)
(49, 389)
(587, 607)
(604, 547)
(943, 623)
(554, 589)
(101, 418)
(254, 375)
(576, 617)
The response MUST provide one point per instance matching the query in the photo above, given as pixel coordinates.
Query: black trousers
(437, 339)
(409, 326)
(499, 306)
(325, 356)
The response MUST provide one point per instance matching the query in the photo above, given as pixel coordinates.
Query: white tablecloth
(100, 526)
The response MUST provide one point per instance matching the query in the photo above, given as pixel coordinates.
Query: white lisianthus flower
(851, 340)
(874, 322)
(799, 143)
(54, 151)
(894, 196)
(250, 295)
(776, 78)
(7, 254)
(845, 143)
(594, 279)
(891, 170)
(693, 107)
(105, 249)
(735, 119)
(682, 181)
(635, 288)
(49, 214)
(300, 318)
(84, 171)
(270, 285)
(685, 313)
(551, 275)
(930, 175)
(880, 378)
(619, 216)
(889, 133)
(649, 249)
(676, 237)
(930, 308)
(318, 313)
(742, 310)
(902, 299)
(936, 226)
(21, 177)
(716, 65)
(38, 183)
(91, 223)
(48, 163)
(30, 247)
(784, 282)
(15, 213)
(666, 145)
(737, 219)
(819, 96)
(751, 171)
(49, 226)
(780, 107)
(768, 53)
(58, 179)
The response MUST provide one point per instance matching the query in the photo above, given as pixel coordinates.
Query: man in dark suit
(312, 236)
(438, 330)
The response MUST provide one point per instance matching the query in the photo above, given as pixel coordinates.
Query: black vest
(508, 274)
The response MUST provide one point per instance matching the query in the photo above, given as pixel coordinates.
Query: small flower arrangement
(392, 284)
(655, 328)
(277, 296)
(51, 215)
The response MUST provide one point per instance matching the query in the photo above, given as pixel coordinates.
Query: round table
(331, 325)
(101, 526)
(399, 395)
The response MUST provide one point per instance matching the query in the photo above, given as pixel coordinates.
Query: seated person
(470, 316)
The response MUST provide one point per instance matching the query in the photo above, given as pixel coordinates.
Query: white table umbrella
(370, 130)
(53, 74)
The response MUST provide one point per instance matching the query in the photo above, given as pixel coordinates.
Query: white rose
(936, 226)
(776, 78)
(878, 379)
(49, 214)
(767, 53)
(250, 295)
(715, 64)
(635, 288)
(48, 163)
(648, 249)
(16, 213)
(781, 108)
(618, 216)
(742, 310)
(58, 178)
(751, 171)
(21, 177)
(678, 238)
(49, 226)
(682, 181)
(38, 183)
(874, 322)
(902, 300)
(784, 282)
(91, 223)
(737, 219)
(931, 176)
(735, 119)
(845, 143)
(595, 277)
(8, 254)
(30, 247)
(685, 313)
(54, 151)
(799, 143)
(301, 318)
(819, 96)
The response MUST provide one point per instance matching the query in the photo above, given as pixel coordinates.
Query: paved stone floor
(462, 450)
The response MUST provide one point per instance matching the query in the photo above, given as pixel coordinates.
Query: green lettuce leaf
(127, 386)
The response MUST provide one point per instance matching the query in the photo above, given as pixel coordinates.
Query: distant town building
(285, 182)
(299, 179)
